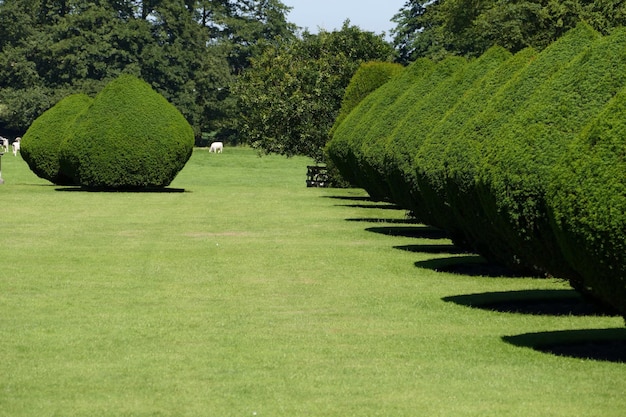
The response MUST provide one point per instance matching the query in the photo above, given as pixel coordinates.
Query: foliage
(515, 171)
(468, 27)
(42, 141)
(367, 78)
(367, 128)
(465, 152)
(129, 137)
(188, 51)
(291, 95)
(587, 201)
(432, 167)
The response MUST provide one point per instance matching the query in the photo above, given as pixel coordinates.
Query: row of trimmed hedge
(521, 158)
(127, 137)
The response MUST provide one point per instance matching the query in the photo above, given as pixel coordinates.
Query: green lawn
(250, 294)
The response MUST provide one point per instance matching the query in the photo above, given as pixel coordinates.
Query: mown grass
(249, 294)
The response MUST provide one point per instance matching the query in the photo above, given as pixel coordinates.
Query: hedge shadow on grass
(471, 265)
(443, 248)
(592, 344)
(383, 220)
(556, 302)
(418, 232)
(156, 190)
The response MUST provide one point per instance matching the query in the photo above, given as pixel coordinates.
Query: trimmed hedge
(432, 168)
(587, 201)
(369, 77)
(353, 133)
(42, 141)
(515, 171)
(420, 119)
(464, 155)
(130, 137)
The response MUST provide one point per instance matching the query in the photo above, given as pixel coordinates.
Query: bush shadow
(471, 265)
(419, 232)
(383, 220)
(443, 248)
(591, 344)
(557, 302)
(164, 190)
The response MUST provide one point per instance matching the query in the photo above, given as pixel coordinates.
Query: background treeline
(238, 70)
(520, 157)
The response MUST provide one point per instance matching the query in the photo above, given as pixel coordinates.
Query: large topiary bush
(130, 137)
(515, 170)
(369, 77)
(352, 133)
(41, 143)
(587, 201)
(465, 152)
(432, 168)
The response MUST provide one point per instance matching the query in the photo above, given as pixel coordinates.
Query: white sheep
(16, 145)
(216, 147)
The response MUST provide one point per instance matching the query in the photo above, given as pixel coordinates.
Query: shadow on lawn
(558, 302)
(156, 190)
(419, 232)
(595, 344)
(472, 265)
(382, 220)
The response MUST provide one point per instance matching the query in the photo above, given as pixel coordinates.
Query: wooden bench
(316, 176)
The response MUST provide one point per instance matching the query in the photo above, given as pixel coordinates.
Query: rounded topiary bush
(587, 203)
(357, 130)
(517, 163)
(130, 137)
(464, 156)
(432, 168)
(369, 77)
(41, 143)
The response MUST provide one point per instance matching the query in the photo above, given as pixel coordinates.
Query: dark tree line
(436, 28)
(188, 50)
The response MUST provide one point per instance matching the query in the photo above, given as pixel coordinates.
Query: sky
(368, 15)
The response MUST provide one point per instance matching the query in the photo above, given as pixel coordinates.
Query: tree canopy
(435, 28)
(188, 50)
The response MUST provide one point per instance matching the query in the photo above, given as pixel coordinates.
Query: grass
(249, 294)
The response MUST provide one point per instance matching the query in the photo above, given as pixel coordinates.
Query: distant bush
(356, 130)
(587, 201)
(129, 137)
(367, 78)
(42, 141)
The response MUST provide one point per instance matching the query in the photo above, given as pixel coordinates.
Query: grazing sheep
(216, 147)
(5, 144)
(16, 146)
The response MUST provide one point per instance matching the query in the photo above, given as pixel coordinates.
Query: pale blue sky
(369, 15)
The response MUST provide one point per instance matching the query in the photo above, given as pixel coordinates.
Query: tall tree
(436, 28)
(291, 95)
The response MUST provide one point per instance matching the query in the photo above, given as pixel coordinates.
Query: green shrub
(354, 132)
(42, 141)
(421, 119)
(587, 201)
(369, 77)
(432, 169)
(464, 154)
(130, 137)
(517, 163)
